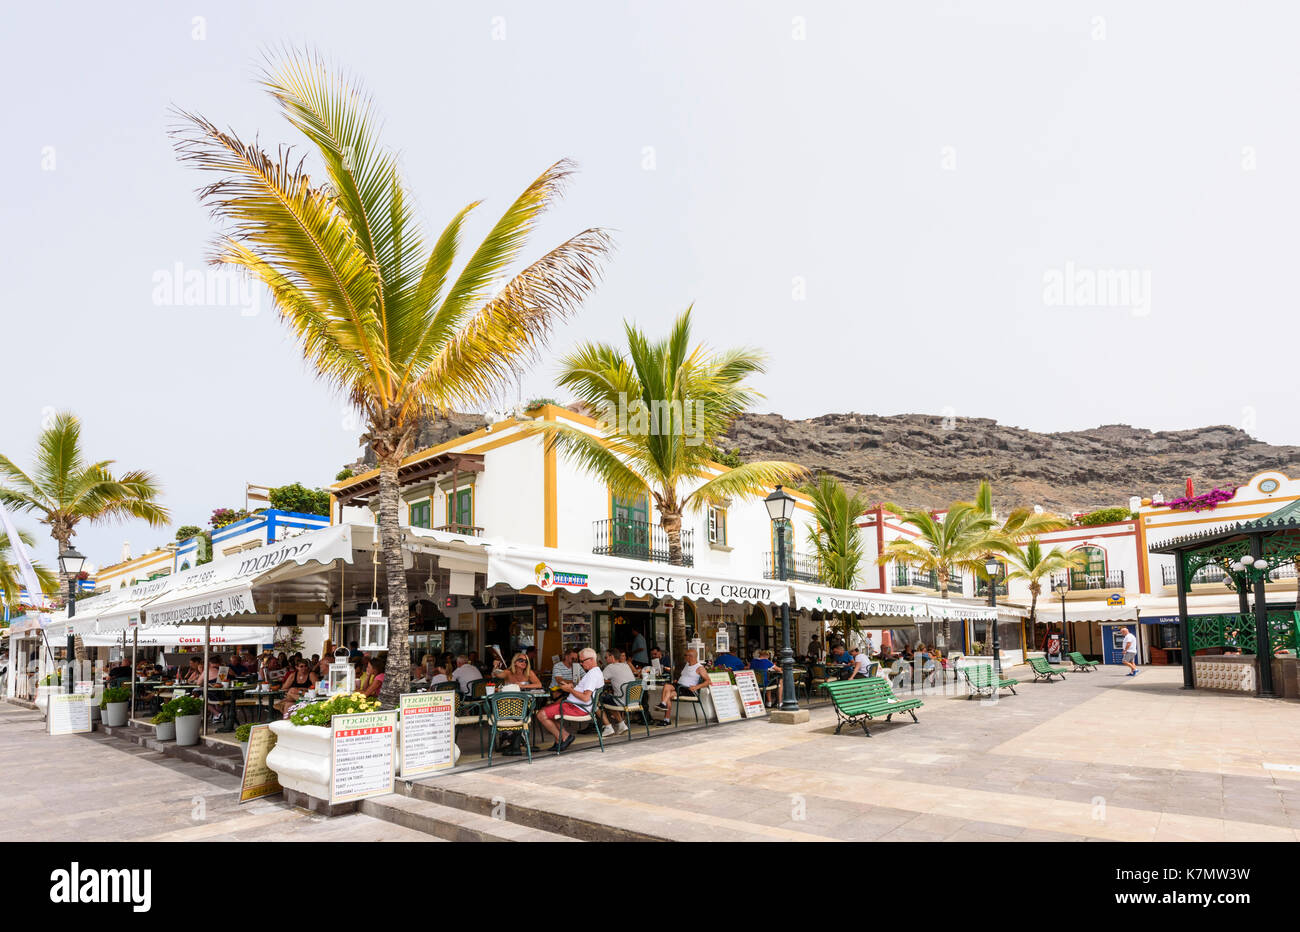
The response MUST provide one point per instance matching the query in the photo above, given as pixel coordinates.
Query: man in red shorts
(578, 701)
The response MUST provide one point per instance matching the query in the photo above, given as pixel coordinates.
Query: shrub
(298, 498)
(183, 705)
(163, 717)
(115, 694)
(1103, 516)
(344, 473)
(186, 531)
(243, 731)
(320, 713)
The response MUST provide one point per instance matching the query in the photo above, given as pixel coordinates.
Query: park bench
(1044, 670)
(1081, 663)
(859, 700)
(983, 680)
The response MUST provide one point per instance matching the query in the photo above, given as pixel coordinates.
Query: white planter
(165, 731)
(114, 714)
(43, 696)
(187, 729)
(243, 749)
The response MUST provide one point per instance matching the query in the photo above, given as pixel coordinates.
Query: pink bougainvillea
(1202, 502)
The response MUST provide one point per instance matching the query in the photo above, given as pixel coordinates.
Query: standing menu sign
(428, 732)
(68, 714)
(750, 698)
(259, 779)
(84, 688)
(362, 751)
(723, 695)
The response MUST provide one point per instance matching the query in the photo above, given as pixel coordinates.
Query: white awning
(185, 636)
(119, 609)
(225, 587)
(549, 570)
(1098, 611)
(824, 599)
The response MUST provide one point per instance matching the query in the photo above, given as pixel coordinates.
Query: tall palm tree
(377, 312)
(1033, 565)
(664, 405)
(64, 490)
(10, 583)
(836, 538)
(1022, 523)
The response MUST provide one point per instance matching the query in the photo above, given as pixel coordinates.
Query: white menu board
(751, 700)
(69, 714)
(428, 732)
(84, 688)
(362, 751)
(723, 694)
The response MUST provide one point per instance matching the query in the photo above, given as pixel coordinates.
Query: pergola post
(1263, 645)
(1184, 626)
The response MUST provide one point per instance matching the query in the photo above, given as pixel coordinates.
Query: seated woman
(295, 685)
(375, 672)
(519, 673)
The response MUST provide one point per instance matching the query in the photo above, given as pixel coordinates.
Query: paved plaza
(1099, 756)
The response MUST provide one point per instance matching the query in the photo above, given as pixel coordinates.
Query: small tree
(186, 531)
(298, 498)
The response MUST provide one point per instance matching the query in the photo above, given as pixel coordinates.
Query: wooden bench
(1044, 670)
(983, 680)
(857, 701)
(1080, 663)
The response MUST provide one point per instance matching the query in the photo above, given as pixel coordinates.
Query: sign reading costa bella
(188, 636)
(225, 587)
(552, 570)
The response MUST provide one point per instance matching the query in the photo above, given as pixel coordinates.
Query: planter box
(187, 729)
(165, 731)
(114, 714)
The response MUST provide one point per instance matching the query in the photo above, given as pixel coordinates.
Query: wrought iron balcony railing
(924, 579)
(638, 540)
(1215, 574)
(800, 567)
(1083, 579)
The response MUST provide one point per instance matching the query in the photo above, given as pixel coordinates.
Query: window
(785, 540)
(420, 514)
(718, 526)
(460, 507)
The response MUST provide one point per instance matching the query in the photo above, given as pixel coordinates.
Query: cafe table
(227, 695)
(267, 697)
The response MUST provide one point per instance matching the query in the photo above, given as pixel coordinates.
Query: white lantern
(374, 629)
(342, 676)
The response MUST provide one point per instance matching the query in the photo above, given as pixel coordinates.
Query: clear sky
(903, 203)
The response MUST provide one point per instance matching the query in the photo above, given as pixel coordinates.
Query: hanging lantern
(342, 675)
(374, 629)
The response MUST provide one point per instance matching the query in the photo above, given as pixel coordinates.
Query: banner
(428, 732)
(25, 569)
(258, 780)
(362, 751)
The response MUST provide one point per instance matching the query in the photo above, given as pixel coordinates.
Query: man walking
(1130, 649)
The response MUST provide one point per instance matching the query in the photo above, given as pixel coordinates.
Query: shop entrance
(631, 629)
(509, 631)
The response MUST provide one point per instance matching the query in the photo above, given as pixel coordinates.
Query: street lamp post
(70, 564)
(1061, 589)
(991, 567)
(780, 508)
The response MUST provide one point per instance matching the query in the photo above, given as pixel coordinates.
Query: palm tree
(663, 406)
(1032, 565)
(65, 490)
(10, 583)
(836, 537)
(377, 312)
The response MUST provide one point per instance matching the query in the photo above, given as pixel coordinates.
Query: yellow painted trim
(550, 494)
(1231, 504)
(501, 442)
(1248, 517)
(427, 453)
(152, 555)
(333, 504)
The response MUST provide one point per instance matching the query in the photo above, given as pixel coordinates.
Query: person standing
(637, 653)
(870, 648)
(1130, 649)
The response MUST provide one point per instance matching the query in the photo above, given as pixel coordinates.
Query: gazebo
(1248, 552)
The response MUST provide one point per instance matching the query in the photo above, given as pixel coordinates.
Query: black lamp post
(1061, 589)
(780, 508)
(70, 564)
(991, 567)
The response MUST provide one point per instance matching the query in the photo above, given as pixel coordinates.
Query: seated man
(763, 663)
(618, 673)
(657, 654)
(839, 655)
(693, 677)
(465, 674)
(568, 669)
(577, 702)
(729, 660)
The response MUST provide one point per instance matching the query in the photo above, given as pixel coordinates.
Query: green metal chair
(628, 703)
(469, 712)
(510, 712)
(588, 716)
(769, 681)
(695, 703)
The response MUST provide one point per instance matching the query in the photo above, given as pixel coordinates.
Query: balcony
(982, 587)
(1082, 580)
(465, 530)
(1215, 574)
(910, 577)
(638, 540)
(800, 568)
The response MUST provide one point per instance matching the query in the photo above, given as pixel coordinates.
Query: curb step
(555, 826)
(450, 824)
(210, 753)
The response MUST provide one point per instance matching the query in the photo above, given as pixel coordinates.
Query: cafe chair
(470, 714)
(587, 717)
(510, 712)
(768, 685)
(628, 703)
(696, 707)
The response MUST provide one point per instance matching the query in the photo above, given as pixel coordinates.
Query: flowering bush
(320, 713)
(1206, 500)
(223, 516)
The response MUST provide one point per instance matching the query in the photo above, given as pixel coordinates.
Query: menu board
(259, 779)
(428, 732)
(69, 714)
(751, 700)
(84, 688)
(723, 695)
(362, 751)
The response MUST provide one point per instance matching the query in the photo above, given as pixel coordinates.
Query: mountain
(919, 460)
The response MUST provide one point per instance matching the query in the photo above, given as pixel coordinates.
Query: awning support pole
(207, 636)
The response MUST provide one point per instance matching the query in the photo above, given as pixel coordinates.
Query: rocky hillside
(917, 460)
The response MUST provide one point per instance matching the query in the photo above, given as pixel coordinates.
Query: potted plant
(241, 735)
(113, 705)
(187, 713)
(164, 724)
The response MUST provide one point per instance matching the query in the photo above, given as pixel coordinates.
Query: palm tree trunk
(397, 673)
(672, 524)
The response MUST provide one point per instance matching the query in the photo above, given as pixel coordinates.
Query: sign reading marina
(362, 749)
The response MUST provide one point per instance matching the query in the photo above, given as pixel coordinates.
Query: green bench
(1044, 670)
(1080, 663)
(859, 700)
(983, 680)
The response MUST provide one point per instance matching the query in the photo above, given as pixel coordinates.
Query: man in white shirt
(1130, 649)
(861, 664)
(578, 701)
(465, 674)
(618, 673)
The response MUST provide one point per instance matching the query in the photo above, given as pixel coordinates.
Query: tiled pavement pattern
(94, 788)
